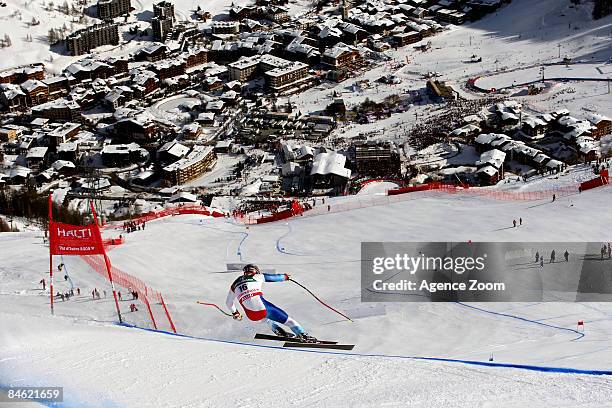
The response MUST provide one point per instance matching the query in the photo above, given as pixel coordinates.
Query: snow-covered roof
(330, 163)
(37, 153)
(488, 138)
(183, 197)
(492, 157)
(60, 164)
(174, 148)
(488, 170)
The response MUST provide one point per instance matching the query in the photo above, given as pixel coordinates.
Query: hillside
(185, 257)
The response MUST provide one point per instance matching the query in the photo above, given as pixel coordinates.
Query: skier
(247, 290)
(554, 198)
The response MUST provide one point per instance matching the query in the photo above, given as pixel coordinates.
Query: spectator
(552, 256)
(566, 256)
(43, 283)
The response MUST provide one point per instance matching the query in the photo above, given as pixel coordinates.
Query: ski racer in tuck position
(247, 289)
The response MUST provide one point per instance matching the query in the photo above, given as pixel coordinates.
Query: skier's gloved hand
(287, 276)
(236, 315)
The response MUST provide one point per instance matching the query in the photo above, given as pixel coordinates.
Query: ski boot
(279, 331)
(306, 338)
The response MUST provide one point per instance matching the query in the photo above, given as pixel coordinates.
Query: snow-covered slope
(185, 257)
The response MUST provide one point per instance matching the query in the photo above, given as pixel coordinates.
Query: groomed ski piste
(406, 354)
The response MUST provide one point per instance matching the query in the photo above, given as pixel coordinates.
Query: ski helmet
(250, 269)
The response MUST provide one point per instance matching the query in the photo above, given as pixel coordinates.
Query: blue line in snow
(524, 319)
(281, 249)
(239, 249)
(546, 369)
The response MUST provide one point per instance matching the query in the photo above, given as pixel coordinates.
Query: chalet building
(341, 56)
(22, 74)
(109, 9)
(328, 172)
(225, 27)
(490, 166)
(152, 53)
(89, 69)
(224, 146)
(212, 84)
(144, 82)
(131, 129)
(63, 134)
(120, 155)
(407, 38)
(171, 152)
(169, 68)
(534, 127)
(352, 34)
(64, 167)
(248, 68)
(377, 160)
(59, 109)
(239, 13)
(37, 157)
(84, 40)
(277, 14)
(284, 78)
(119, 64)
(450, 16)
(58, 86)
(200, 160)
(195, 57)
(244, 69)
(13, 98)
(118, 96)
(206, 119)
(68, 151)
(480, 8)
(36, 92)
(191, 131)
(602, 125)
(484, 141)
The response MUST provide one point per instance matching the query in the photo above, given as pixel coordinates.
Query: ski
(319, 345)
(262, 336)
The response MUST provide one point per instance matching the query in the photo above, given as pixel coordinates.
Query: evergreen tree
(602, 9)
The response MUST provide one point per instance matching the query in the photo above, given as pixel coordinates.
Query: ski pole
(217, 307)
(320, 301)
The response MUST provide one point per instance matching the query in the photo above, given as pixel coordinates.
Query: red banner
(66, 239)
